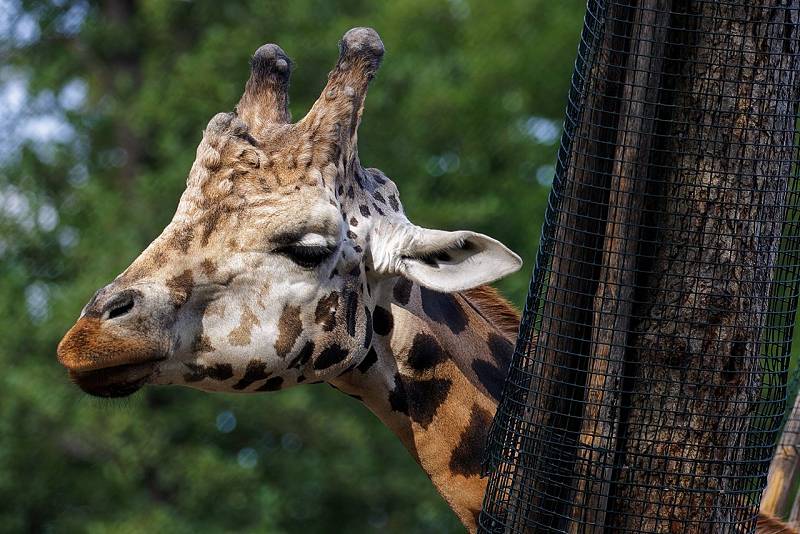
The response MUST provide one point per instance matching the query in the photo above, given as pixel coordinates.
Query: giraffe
(288, 262)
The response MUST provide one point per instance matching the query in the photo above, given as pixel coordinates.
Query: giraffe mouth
(117, 381)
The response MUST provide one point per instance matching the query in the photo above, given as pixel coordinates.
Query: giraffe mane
(495, 308)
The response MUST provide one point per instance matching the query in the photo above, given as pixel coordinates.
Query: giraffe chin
(113, 382)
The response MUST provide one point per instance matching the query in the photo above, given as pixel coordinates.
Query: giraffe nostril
(120, 305)
(122, 309)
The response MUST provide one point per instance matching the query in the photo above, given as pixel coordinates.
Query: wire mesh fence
(650, 375)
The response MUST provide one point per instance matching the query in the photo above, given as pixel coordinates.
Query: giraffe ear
(440, 260)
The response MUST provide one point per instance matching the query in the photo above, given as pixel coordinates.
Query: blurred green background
(102, 105)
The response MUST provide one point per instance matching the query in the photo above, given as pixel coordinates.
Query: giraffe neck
(434, 377)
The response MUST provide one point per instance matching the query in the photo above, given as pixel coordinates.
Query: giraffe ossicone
(288, 262)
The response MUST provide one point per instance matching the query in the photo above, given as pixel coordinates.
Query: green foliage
(463, 115)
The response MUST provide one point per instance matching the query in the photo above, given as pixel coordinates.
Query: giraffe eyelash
(306, 256)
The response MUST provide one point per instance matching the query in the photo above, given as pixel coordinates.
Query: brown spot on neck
(419, 399)
(325, 313)
(425, 353)
(402, 290)
(256, 370)
(289, 327)
(443, 308)
(197, 372)
(466, 457)
(240, 336)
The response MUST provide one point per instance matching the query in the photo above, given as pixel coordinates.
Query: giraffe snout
(116, 343)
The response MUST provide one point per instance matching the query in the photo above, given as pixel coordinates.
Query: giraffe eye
(306, 256)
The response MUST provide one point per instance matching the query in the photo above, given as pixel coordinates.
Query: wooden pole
(784, 469)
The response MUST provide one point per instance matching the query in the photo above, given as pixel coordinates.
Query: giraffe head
(266, 276)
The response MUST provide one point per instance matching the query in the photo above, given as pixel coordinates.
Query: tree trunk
(613, 299)
(631, 410)
(784, 469)
(698, 343)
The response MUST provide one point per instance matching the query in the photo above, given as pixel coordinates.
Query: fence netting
(650, 375)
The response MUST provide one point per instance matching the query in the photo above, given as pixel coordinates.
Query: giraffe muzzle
(106, 363)
(115, 346)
